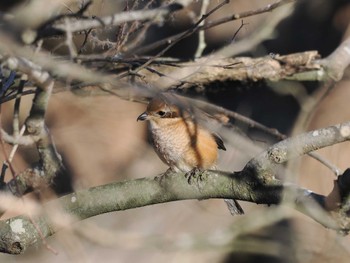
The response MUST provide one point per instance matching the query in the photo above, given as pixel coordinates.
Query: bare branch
(210, 24)
(338, 61)
(50, 164)
(209, 70)
(252, 184)
(121, 196)
(125, 195)
(172, 43)
(201, 41)
(265, 31)
(264, 164)
(117, 19)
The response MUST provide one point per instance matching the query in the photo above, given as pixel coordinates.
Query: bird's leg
(195, 173)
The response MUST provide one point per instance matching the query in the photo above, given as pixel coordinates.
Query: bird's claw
(195, 173)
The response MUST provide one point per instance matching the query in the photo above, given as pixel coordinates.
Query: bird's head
(164, 106)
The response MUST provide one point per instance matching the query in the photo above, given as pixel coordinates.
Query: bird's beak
(142, 117)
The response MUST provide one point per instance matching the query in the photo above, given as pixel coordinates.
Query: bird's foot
(195, 173)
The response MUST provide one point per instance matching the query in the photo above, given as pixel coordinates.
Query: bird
(180, 141)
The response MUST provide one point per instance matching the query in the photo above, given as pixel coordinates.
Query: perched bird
(181, 142)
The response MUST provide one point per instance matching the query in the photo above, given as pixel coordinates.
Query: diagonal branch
(264, 164)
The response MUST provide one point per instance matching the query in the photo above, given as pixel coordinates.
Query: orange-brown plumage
(180, 141)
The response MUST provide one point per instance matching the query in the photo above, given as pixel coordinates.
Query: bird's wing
(219, 141)
(211, 124)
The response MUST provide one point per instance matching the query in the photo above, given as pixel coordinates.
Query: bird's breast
(168, 143)
(182, 146)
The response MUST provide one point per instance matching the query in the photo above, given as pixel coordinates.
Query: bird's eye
(161, 113)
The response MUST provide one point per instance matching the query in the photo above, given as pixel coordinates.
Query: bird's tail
(234, 207)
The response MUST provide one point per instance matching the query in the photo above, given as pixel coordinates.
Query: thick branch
(18, 233)
(203, 72)
(301, 66)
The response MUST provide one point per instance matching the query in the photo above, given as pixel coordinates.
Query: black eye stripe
(167, 114)
(161, 113)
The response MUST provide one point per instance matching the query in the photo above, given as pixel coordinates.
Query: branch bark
(264, 164)
(50, 163)
(255, 183)
(203, 72)
(18, 233)
(303, 66)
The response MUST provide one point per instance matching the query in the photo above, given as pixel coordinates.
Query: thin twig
(12, 97)
(171, 44)
(201, 40)
(140, 29)
(122, 35)
(15, 146)
(6, 162)
(87, 33)
(16, 110)
(42, 236)
(237, 31)
(69, 41)
(117, 19)
(336, 171)
(263, 32)
(210, 24)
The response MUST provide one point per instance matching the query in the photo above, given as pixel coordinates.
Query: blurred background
(101, 142)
